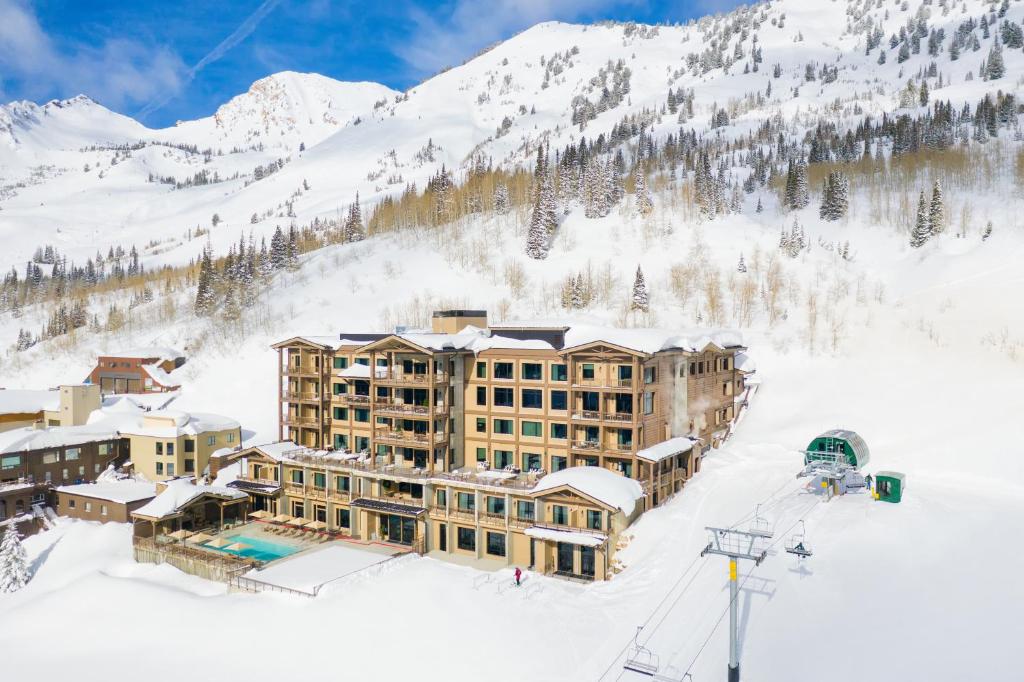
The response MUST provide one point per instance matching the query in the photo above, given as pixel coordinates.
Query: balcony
(308, 422)
(490, 519)
(397, 499)
(304, 371)
(245, 478)
(384, 406)
(614, 384)
(408, 437)
(303, 396)
(352, 399)
(401, 378)
(588, 445)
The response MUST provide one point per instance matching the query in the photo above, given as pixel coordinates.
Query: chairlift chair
(760, 526)
(798, 543)
(641, 659)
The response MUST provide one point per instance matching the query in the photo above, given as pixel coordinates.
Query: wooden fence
(193, 561)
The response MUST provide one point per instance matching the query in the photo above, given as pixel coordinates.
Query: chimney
(454, 321)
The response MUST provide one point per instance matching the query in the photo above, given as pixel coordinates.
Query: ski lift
(760, 527)
(641, 659)
(798, 543)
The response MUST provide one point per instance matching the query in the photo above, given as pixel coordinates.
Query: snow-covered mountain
(554, 82)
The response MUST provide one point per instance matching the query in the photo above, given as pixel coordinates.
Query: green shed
(841, 441)
(889, 486)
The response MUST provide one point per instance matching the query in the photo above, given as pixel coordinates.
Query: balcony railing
(304, 370)
(396, 499)
(603, 383)
(352, 399)
(258, 481)
(396, 376)
(586, 445)
(407, 437)
(303, 396)
(292, 420)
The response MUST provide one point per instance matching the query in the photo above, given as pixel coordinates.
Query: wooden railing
(399, 377)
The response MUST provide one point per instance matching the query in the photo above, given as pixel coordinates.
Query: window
(649, 402)
(10, 461)
(502, 459)
(481, 395)
(103, 510)
(170, 449)
(337, 388)
(211, 440)
(467, 539)
(104, 449)
(533, 398)
(503, 426)
(650, 375)
(593, 519)
(96, 468)
(297, 476)
(159, 448)
(559, 373)
(466, 501)
(170, 468)
(503, 370)
(71, 503)
(531, 461)
(481, 370)
(342, 518)
(319, 480)
(591, 401)
(496, 505)
(559, 400)
(362, 361)
(524, 510)
(190, 466)
(88, 506)
(340, 363)
(362, 443)
(625, 374)
(159, 470)
(362, 414)
(51, 457)
(190, 446)
(342, 483)
(231, 437)
(340, 413)
(559, 515)
(693, 368)
(481, 454)
(442, 498)
(559, 431)
(495, 544)
(340, 441)
(533, 371)
(559, 462)
(588, 371)
(481, 424)
(504, 397)
(532, 429)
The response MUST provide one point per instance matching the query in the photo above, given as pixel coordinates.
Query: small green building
(889, 485)
(838, 441)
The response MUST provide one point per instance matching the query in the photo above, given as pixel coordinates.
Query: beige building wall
(191, 454)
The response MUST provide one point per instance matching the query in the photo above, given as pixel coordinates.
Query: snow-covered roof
(162, 423)
(356, 371)
(596, 482)
(666, 448)
(276, 451)
(159, 376)
(31, 438)
(570, 536)
(179, 492)
(124, 491)
(25, 401)
(745, 363)
(653, 340)
(161, 352)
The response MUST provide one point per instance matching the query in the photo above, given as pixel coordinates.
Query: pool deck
(307, 570)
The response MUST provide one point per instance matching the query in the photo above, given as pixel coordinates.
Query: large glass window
(559, 515)
(559, 400)
(649, 402)
(481, 454)
(524, 510)
(495, 544)
(533, 398)
(503, 426)
(502, 458)
(533, 371)
(593, 519)
(319, 480)
(342, 517)
(481, 424)
(481, 395)
(495, 505)
(532, 429)
(481, 370)
(559, 431)
(559, 373)
(531, 461)
(504, 397)
(587, 371)
(559, 462)
(362, 414)
(467, 539)
(340, 363)
(503, 370)
(466, 501)
(650, 375)
(625, 374)
(297, 476)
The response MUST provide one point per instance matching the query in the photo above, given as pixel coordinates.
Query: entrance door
(533, 553)
(565, 557)
(587, 556)
(443, 539)
(397, 529)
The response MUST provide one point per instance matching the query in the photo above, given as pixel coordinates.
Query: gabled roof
(180, 493)
(595, 345)
(320, 343)
(667, 448)
(601, 485)
(393, 340)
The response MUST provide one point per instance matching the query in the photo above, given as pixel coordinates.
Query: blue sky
(165, 61)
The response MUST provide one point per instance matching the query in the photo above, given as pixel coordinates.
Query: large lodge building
(533, 445)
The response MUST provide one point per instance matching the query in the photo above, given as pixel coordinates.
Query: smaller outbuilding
(889, 486)
(104, 501)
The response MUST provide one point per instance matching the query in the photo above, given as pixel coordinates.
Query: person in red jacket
(519, 575)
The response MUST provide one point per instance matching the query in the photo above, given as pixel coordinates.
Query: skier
(519, 574)
(867, 482)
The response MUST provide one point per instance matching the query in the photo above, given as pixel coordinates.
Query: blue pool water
(261, 550)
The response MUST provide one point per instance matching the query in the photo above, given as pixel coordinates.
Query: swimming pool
(261, 550)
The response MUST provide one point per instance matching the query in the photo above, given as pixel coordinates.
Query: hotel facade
(530, 445)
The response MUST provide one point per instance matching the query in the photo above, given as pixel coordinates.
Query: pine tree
(988, 231)
(640, 297)
(353, 227)
(922, 228)
(835, 196)
(501, 204)
(644, 205)
(995, 67)
(576, 292)
(760, 207)
(205, 297)
(937, 210)
(14, 571)
(278, 249)
(293, 248)
(741, 266)
(537, 236)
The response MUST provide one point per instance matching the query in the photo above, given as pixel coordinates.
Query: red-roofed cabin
(140, 370)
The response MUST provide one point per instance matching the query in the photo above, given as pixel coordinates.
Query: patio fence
(193, 561)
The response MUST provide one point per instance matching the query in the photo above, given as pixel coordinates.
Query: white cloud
(470, 25)
(118, 72)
